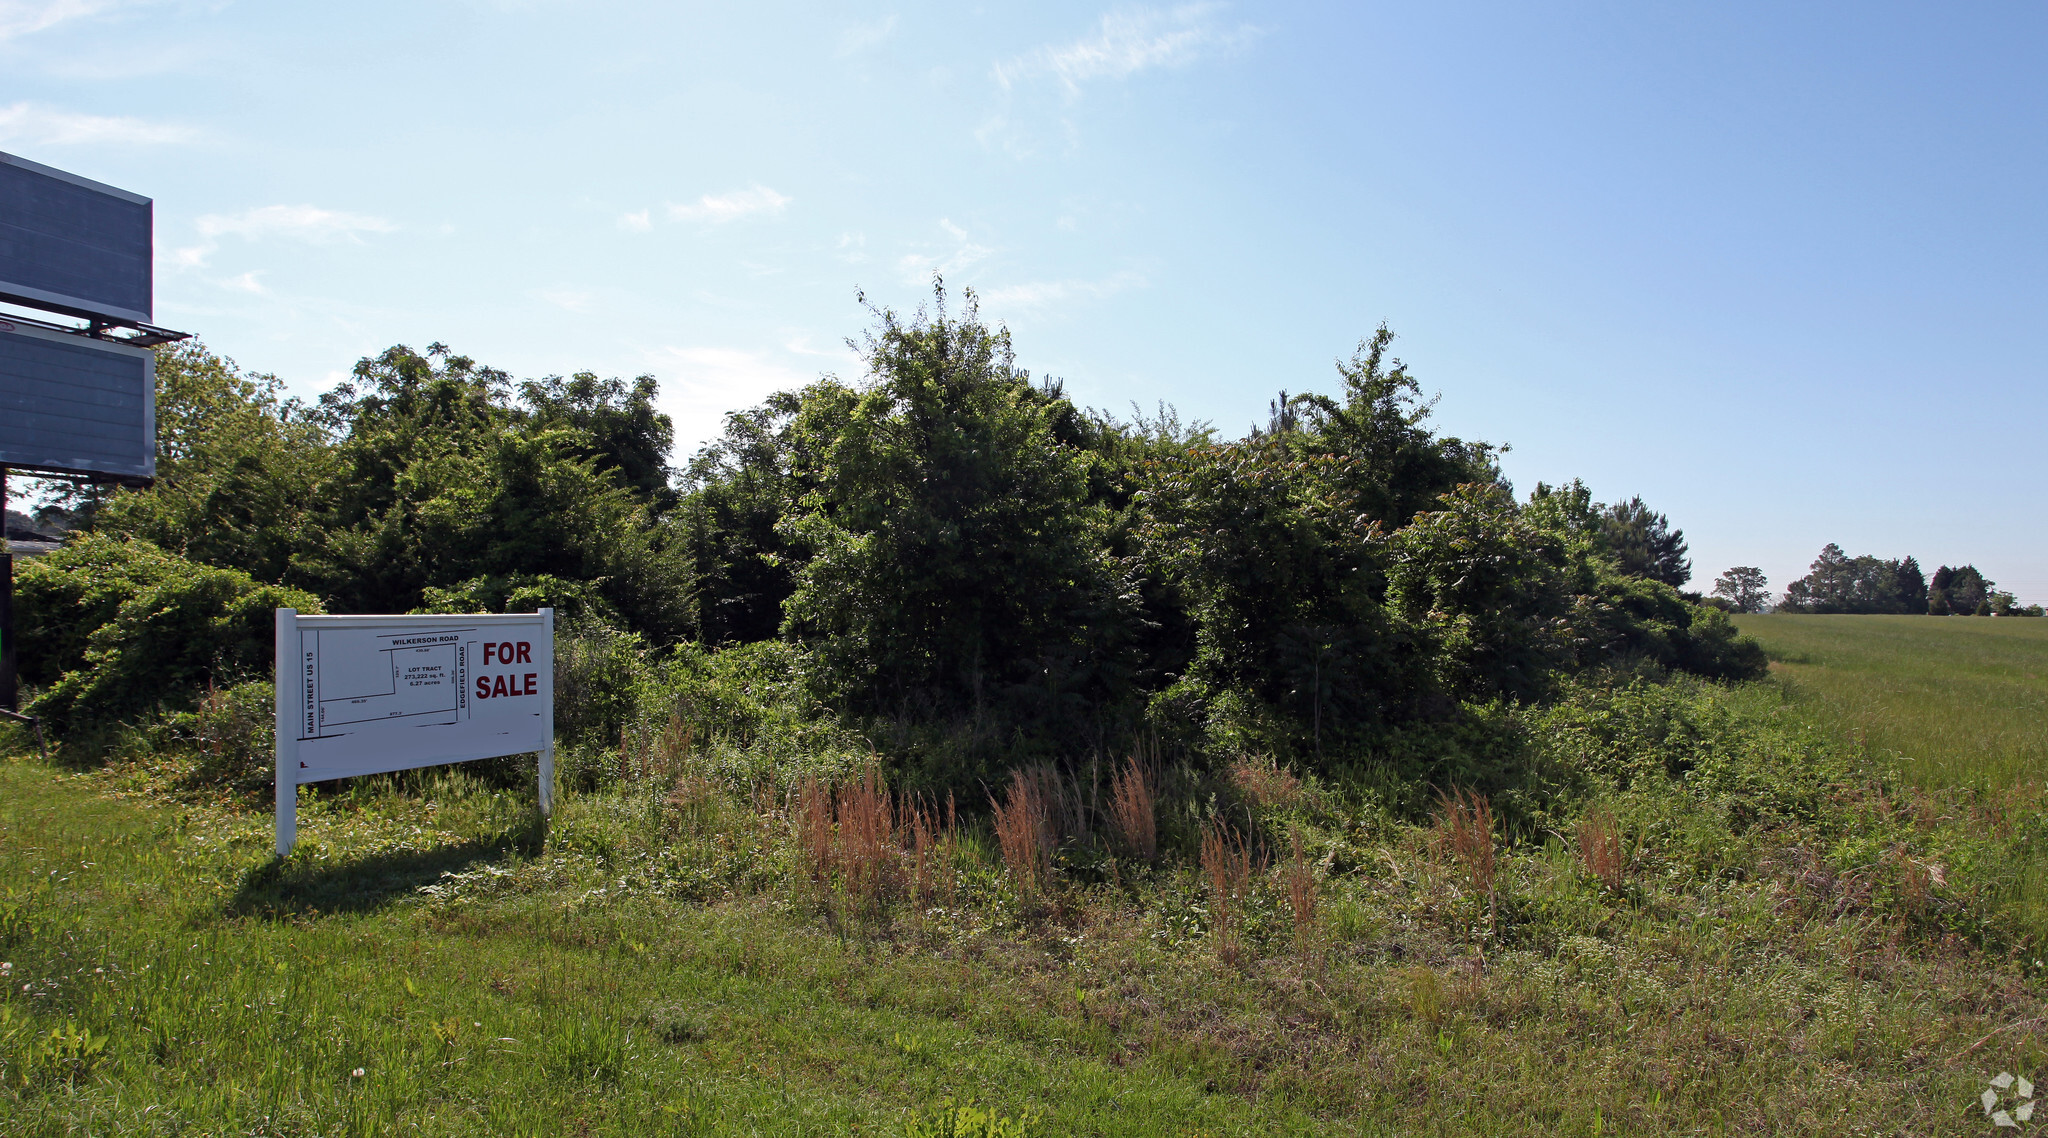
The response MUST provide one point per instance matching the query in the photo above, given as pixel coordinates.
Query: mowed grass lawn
(162, 981)
(162, 976)
(430, 961)
(1959, 701)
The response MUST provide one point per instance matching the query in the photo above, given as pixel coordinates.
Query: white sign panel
(361, 695)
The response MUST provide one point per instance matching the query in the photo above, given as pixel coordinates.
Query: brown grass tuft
(869, 864)
(934, 843)
(1227, 863)
(1023, 823)
(815, 832)
(1917, 881)
(1266, 784)
(1465, 832)
(1599, 846)
(664, 755)
(1132, 809)
(854, 838)
(1301, 892)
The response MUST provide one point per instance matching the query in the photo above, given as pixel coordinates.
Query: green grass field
(1786, 947)
(1961, 701)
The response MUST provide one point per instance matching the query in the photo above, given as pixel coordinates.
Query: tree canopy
(1839, 583)
(944, 544)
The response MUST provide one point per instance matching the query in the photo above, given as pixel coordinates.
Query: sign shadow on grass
(299, 887)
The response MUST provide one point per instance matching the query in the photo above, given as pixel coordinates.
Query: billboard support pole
(287, 738)
(547, 753)
(8, 657)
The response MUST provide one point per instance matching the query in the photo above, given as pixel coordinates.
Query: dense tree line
(1839, 583)
(947, 544)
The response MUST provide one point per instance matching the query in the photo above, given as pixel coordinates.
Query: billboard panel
(70, 244)
(75, 404)
(362, 695)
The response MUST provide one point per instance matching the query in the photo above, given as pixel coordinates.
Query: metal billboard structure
(72, 245)
(76, 403)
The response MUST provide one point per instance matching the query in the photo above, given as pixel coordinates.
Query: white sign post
(361, 695)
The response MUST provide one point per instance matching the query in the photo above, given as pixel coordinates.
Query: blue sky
(1778, 270)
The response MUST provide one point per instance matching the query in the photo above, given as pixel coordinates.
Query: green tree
(949, 558)
(1839, 583)
(1489, 589)
(1395, 466)
(1910, 586)
(240, 470)
(441, 480)
(1745, 587)
(1644, 544)
(737, 491)
(619, 428)
(1963, 589)
(1272, 558)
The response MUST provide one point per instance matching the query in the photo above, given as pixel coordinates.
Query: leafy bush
(600, 677)
(61, 598)
(953, 561)
(573, 601)
(174, 629)
(232, 731)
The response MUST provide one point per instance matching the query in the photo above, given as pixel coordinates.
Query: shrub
(180, 628)
(601, 675)
(232, 731)
(61, 598)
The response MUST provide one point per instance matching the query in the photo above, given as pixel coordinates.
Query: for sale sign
(360, 695)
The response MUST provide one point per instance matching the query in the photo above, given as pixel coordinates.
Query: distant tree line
(1839, 583)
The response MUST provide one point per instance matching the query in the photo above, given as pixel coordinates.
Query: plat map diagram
(358, 677)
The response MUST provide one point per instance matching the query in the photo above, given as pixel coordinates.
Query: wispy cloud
(568, 299)
(861, 37)
(247, 282)
(303, 222)
(296, 222)
(918, 267)
(26, 17)
(720, 208)
(636, 221)
(1037, 296)
(100, 62)
(49, 126)
(799, 343)
(700, 383)
(1129, 41)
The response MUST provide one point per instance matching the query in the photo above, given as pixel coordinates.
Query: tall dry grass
(1133, 809)
(934, 844)
(1266, 784)
(1464, 833)
(1597, 841)
(862, 841)
(660, 754)
(1228, 864)
(1024, 825)
(1301, 891)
